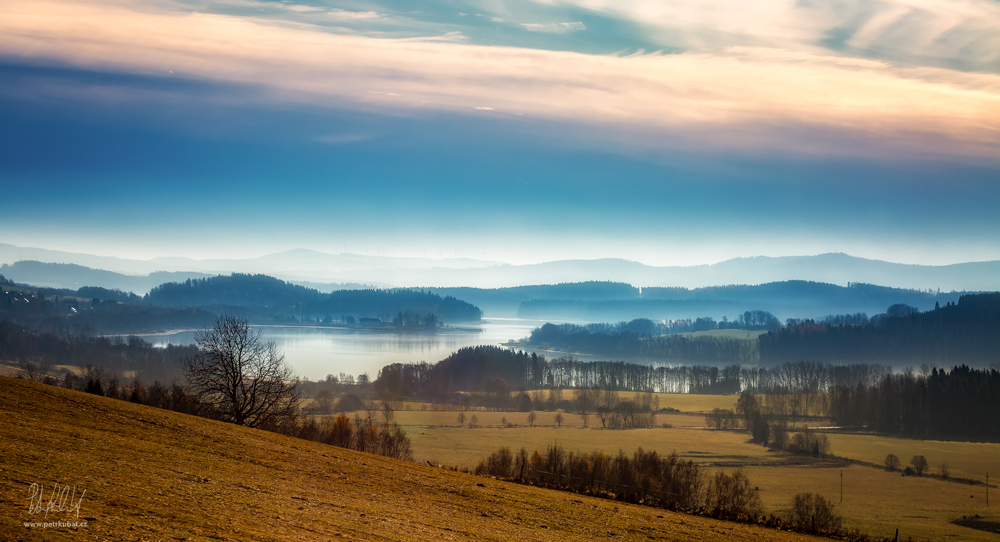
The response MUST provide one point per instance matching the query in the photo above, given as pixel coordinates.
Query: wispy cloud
(742, 97)
(344, 15)
(965, 33)
(554, 28)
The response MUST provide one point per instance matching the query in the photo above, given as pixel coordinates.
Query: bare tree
(474, 421)
(241, 376)
(461, 418)
(389, 408)
(919, 464)
(31, 371)
(371, 409)
(559, 419)
(891, 463)
(531, 418)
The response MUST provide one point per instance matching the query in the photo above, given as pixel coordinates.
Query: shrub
(814, 511)
(810, 442)
(499, 464)
(732, 495)
(779, 437)
(350, 403)
(340, 431)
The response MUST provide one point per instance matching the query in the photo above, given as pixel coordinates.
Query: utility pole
(842, 486)
(987, 489)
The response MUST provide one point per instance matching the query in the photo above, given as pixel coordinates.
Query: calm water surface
(315, 352)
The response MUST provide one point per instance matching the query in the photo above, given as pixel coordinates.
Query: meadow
(875, 501)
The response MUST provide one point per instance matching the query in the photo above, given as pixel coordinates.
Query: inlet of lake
(314, 352)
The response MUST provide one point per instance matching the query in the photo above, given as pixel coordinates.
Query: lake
(314, 352)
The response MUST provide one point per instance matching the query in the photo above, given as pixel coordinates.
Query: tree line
(40, 352)
(68, 315)
(961, 403)
(494, 373)
(962, 332)
(638, 339)
(194, 304)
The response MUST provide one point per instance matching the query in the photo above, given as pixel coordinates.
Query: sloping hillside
(151, 474)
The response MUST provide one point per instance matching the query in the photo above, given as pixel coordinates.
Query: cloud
(343, 15)
(554, 28)
(746, 98)
(965, 33)
(484, 108)
(299, 7)
(496, 19)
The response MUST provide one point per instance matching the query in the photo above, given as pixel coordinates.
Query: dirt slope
(150, 474)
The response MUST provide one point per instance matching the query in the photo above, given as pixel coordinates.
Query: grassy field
(880, 502)
(875, 501)
(464, 447)
(965, 459)
(151, 474)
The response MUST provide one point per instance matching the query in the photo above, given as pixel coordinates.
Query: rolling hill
(151, 474)
(318, 268)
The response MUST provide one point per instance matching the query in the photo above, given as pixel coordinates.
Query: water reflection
(315, 352)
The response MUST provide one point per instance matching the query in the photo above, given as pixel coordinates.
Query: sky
(666, 132)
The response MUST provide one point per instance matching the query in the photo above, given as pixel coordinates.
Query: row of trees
(645, 477)
(655, 480)
(494, 373)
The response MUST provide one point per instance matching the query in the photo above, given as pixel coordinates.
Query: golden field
(151, 474)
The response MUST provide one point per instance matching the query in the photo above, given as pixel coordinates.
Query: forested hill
(967, 332)
(72, 276)
(261, 296)
(236, 290)
(195, 303)
(613, 301)
(504, 302)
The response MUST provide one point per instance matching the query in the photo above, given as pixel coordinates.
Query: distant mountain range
(327, 272)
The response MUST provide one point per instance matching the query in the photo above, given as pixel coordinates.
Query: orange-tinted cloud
(738, 97)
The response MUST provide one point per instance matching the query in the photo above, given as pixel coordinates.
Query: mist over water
(314, 352)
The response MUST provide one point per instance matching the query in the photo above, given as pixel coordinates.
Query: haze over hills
(318, 270)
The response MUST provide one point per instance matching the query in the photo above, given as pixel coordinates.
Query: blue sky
(664, 132)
